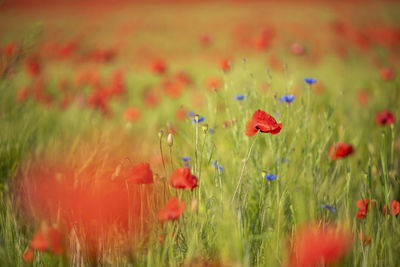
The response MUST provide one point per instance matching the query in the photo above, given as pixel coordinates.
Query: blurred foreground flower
(140, 174)
(264, 122)
(172, 210)
(319, 245)
(310, 81)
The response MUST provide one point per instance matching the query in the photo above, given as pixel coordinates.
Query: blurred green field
(235, 217)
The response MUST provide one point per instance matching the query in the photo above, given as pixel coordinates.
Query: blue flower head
(270, 177)
(328, 207)
(239, 97)
(287, 98)
(310, 81)
(219, 168)
(186, 159)
(191, 114)
(198, 119)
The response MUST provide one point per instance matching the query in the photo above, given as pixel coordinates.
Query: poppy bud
(263, 174)
(160, 134)
(195, 205)
(204, 127)
(170, 140)
(196, 118)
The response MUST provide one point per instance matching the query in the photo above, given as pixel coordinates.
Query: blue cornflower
(287, 98)
(238, 97)
(270, 177)
(310, 81)
(220, 168)
(186, 159)
(191, 114)
(199, 119)
(328, 207)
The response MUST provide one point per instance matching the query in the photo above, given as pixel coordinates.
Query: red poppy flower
(362, 205)
(10, 48)
(55, 241)
(141, 174)
(33, 66)
(363, 97)
(297, 49)
(205, 39)
(384, 117)
(213, 83)
(172, 210)
(181, 113)
(225, 64)
(387, 74)
(47, 240)
(264, 122)
(22, 93)
(39, 241)
(364, 238)
(317, 246)
(28, 255)
(340, 150)
(131, 114)
(183, 179)
(151, 97)
(183, 78)
(158, 66)
(394, 208)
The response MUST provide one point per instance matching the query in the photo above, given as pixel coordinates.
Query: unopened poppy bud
(204, 127)
(160, 134)
(170, 139)
(263, 173)
(194, 206)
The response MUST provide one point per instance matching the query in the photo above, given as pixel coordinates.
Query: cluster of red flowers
(363, 206)
(47, 239)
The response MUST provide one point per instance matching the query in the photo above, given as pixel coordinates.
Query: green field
(84, 97)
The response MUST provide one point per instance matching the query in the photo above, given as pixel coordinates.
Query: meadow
(228, 133)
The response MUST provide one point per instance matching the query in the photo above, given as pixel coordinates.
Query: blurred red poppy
(158, 66)
(213, 83)
(172, 210)
(340, 150)
(384, 117)
(183, 179)
(225, 64)
(28, 255)
(33, 66)
(387, 74)
(394, 208)
(364, 238)
(363, 97)
(140, 174)
(297, 49)
(264, 122)
(181, 113)
(131, 114)
(48, 239)
(363, 205)
(22, 93)
(205, 39)
(319, 245)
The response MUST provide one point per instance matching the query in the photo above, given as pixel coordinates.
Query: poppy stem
(162, 158)
(244, 166)
(196, 146)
